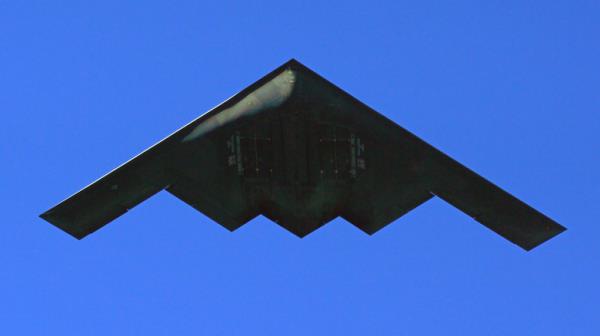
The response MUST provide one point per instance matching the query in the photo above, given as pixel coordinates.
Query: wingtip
(550, 234)
(48, 217)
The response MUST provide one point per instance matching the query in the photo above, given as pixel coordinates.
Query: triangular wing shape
(300, 151)
(149, 172)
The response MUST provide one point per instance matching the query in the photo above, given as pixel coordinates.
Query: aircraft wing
(300, 151)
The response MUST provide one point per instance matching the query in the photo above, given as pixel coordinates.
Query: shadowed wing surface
(300, 151)
(136, 180)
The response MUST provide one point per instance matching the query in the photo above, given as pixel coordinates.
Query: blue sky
(509, 88)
